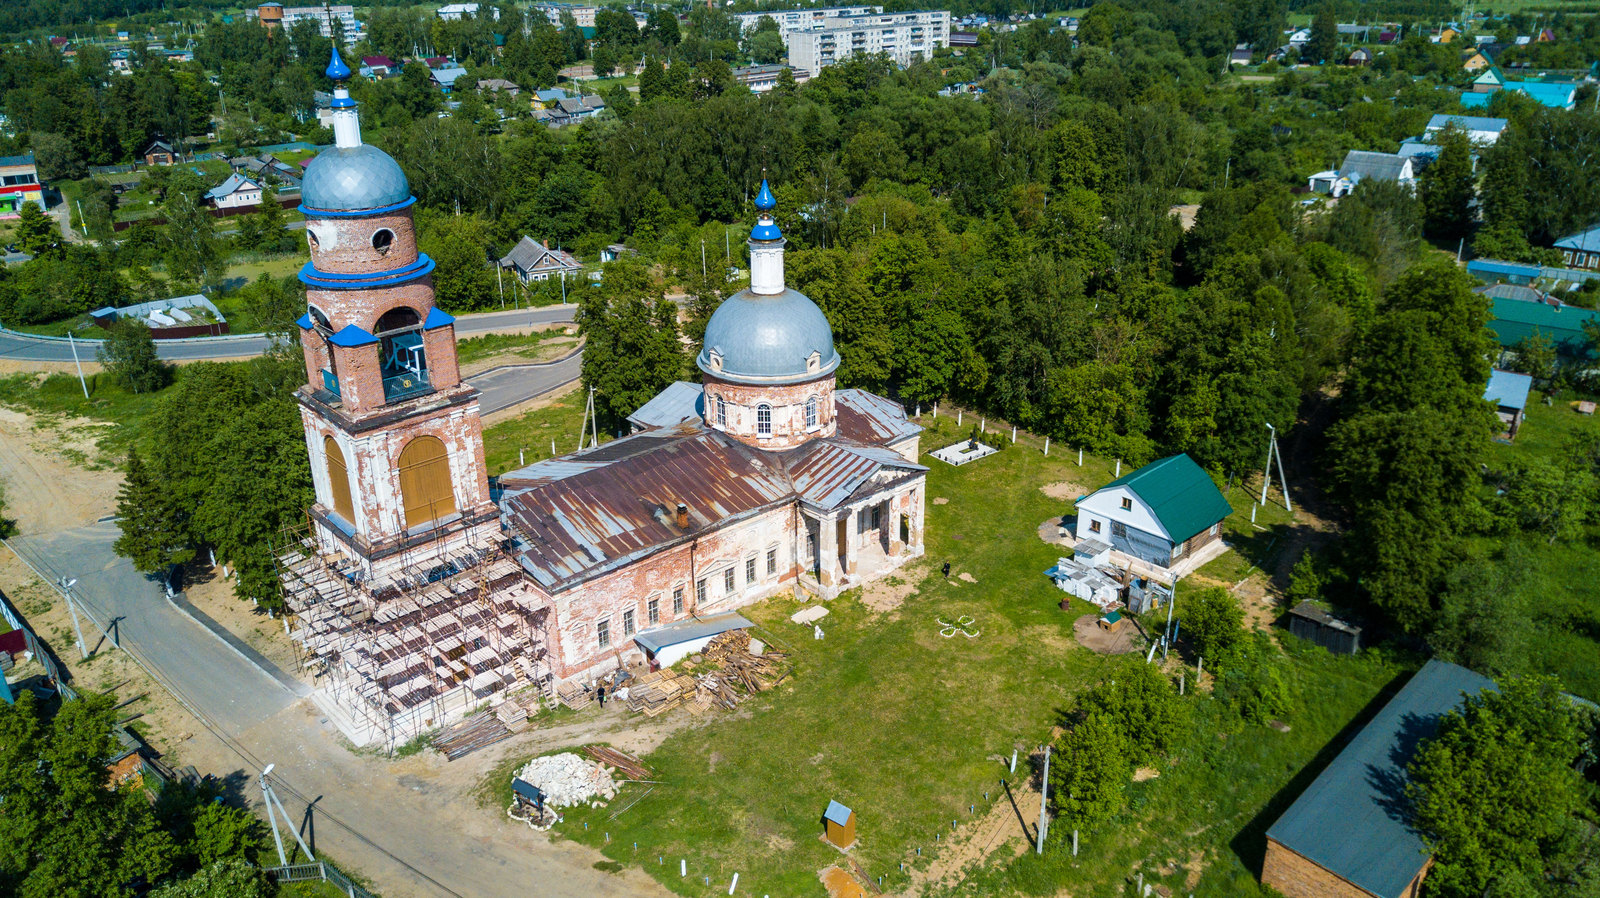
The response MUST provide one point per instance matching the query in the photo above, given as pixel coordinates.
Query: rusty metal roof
(583, 515)
(871, 419)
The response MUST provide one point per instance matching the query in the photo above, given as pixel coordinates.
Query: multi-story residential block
(907, 37)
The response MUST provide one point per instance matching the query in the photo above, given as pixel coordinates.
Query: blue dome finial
(337, 70)
(764, 200)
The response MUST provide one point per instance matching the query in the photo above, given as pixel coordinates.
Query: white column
(346, 126)
(766, 267)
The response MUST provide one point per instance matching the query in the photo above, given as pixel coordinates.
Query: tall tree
(633, 350)
(154, 527)
(36, 231)
(1089, 775)
(1447, 187)
(1324, 42)
(1494, 790)
(129, 354)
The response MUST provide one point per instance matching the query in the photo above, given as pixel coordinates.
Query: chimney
(683, 516)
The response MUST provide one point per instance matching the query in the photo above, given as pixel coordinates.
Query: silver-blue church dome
(354, 178)
(768, 339)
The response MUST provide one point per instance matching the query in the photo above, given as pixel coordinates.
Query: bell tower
(394, 435)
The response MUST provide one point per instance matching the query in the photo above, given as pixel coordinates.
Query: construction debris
(621, 761)
(568, 780)
(658, 691)
(479, 730)
(574, 696)
(809, 615)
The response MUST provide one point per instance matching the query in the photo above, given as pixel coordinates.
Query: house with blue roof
(1481, 130)
(1581, 250)
(1508, 393)
(1552, 94)
(1167, 512)
(1347, 833)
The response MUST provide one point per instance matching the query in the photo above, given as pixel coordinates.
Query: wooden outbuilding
(1311, 623)
(839, 825)
(1112, 622)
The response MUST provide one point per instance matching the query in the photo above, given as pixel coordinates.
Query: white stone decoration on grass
(963, 452)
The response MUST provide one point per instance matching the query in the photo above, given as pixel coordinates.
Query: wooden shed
(1112, 621)
(1307, 621)
(839, 824)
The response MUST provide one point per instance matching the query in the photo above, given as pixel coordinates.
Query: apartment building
(794, 19)
(907, 37)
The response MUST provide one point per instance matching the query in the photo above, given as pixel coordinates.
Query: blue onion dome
(768, 339)
(347, 179)
(337, 70)
(765, 200)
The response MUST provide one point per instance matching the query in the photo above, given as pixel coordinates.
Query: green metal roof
(1180, 495)
(1516, 319)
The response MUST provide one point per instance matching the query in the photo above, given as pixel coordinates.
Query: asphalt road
(25, 348)
(508, 385)
(234, 693)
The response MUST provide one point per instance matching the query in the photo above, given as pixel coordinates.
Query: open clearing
(42, 465)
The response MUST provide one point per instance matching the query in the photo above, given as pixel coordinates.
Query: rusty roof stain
(579, 516)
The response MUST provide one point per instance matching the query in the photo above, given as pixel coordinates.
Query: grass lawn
(108, 401)
(515, 347)
(909, 728)
(532, 432)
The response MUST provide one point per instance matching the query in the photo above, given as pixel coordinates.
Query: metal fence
(319, 871)
(38, 650)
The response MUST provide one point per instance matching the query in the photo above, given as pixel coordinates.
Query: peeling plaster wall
(345, 244)
(788, 411)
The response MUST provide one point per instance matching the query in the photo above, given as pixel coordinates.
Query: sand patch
(1064, 490)
(1102, 641)
(1144, 774)
(840, 884)
(940, 500)
(891, 592)
(47, 466)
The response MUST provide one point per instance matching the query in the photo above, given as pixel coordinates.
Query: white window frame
(628, 623)
(652, 610)
(750, 571)
(728, 580)
(677, 602)
(813, 418)
(763, 421)
(602, 634)
(772, 561)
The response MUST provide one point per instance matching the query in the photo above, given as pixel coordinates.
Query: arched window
(763, 420)
(338, 480)
(425, 482)
(811, 412)
(722, 413)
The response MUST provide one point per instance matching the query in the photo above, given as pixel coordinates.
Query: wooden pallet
(478, 731)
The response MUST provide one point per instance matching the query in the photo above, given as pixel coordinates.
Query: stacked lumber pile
(659, 691)
(574, 696)
(480, 730)
(511, 714)
(738, 669)
(620, 761)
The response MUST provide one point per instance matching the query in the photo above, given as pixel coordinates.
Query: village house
(159, 152)
(235, 192)
(533, 260)
(509, 88)
(1166, 512)
(1482, 131)
(19, 183)
(1346, 835)
(1360, 165)
(444, 76)
(1581, 250)
(1513, 320)
(378, 67)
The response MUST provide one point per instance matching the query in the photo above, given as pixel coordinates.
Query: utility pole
(1044, 801)
(66, 591)
(275, 810)
(81, 382)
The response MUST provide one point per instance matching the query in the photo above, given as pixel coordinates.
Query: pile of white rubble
(568, 780)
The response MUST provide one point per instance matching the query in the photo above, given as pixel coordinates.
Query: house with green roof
(1164, 513)
(1515, 320)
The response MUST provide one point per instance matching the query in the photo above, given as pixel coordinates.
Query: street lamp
(66, 592)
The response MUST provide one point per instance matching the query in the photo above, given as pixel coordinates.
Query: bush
(1259, 685)
(1140, 700)
(1213, 622)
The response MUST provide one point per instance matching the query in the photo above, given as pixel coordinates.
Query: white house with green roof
(1161, 514)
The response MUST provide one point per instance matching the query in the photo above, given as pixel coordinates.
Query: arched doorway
(338, 480)
(425, 482)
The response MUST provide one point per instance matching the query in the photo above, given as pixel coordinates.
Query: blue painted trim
(437, 318)
(342, 103)
(304, 322)
(309, 212)
(766, 232)
(352, 336)
(311, 277)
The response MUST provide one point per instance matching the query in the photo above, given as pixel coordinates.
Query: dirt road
(44, 468)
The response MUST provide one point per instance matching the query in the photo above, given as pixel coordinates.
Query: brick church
(422, 588)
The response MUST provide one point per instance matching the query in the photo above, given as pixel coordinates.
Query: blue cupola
(766, 228)
(337, 70)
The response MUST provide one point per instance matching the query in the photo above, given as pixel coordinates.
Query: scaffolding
(437, 636)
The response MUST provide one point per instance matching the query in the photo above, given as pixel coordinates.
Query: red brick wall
(344, 245)
(1298, 877)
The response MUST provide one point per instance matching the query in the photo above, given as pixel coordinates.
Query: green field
(909, 728)
(532, 432)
